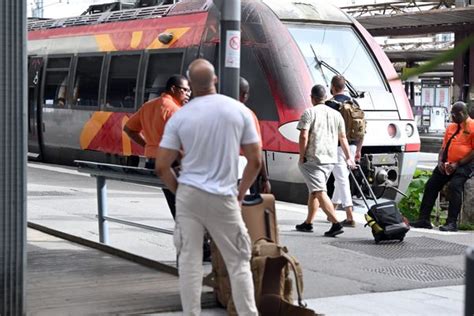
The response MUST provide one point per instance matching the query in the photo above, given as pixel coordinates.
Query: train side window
(122, 81)
(160, 67)
(56, 81)
(87, 81)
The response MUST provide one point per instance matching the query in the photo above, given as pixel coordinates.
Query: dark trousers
(170, 197)
(171, 200)
(456, 186)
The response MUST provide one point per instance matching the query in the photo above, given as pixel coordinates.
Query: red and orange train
(88, 74)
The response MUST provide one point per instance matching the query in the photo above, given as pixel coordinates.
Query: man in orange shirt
(146, 126)
(455, 165)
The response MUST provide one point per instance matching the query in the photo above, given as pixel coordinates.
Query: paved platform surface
(441, 301)
(335, 269)
(64, 278)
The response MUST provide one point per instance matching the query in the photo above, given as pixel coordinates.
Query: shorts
(315, 175)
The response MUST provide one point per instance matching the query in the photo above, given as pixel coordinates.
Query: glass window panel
(87, 81)
(160, 68)
(55, 89)
(122, 81)
(341, 48)
(62, 62)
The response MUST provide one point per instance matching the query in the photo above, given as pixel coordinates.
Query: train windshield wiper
(319, 62)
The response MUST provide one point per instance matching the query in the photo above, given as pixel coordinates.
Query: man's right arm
(358, 153)
(303, 144)
(135, 136)
(346, 150)
(344, 143)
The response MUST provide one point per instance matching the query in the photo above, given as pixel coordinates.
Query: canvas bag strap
(298, 282)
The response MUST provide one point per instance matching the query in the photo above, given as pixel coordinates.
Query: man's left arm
(164, 159)
(252, 152)
(464, 161)
(266, 186)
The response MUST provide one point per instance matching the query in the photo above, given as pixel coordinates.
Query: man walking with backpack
(342, 190)
(320, 130)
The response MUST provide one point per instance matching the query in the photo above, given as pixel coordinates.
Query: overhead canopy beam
(412, 55)
(425, 22)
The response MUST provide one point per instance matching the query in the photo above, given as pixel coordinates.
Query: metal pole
(469, 299)
(229, 48)
(102, 210)
(13, 153)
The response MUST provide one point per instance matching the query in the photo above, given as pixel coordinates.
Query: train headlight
(392, 130)
(409, 129)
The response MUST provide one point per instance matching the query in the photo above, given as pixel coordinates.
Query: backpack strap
(298, 281)
(271, 303)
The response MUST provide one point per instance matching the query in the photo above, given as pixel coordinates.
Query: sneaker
(348, 223)
(449, 227)
(421, 223)
(335, 230)
(305, 227)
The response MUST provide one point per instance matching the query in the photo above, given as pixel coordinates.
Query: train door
(35, 140)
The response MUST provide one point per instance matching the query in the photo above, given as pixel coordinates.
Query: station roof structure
(403, 18)
(425, 22)
(412, 55)
(414, 18)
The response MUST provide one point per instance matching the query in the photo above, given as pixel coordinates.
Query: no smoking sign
(232, 49)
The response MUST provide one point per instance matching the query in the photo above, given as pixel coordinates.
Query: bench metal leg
(102, 210)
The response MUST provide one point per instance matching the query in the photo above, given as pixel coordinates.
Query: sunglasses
(184, 89)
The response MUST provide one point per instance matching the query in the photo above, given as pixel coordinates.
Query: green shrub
(467, 226)
(410, 206)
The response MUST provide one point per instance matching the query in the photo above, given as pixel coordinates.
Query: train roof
(290, 10)
(307, 10)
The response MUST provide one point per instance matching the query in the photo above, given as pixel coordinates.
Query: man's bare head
(202, 77)
(244, 90)
(459, 112)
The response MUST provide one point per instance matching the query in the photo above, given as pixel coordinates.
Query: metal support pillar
(229, 48)
(469, 301)
(13, 153)
(102, 210)
(464, 71)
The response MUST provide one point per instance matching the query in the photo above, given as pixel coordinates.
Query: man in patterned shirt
(320, 130)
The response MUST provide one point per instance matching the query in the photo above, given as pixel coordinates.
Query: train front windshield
(340, 48)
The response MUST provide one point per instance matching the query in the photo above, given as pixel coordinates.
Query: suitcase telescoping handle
(366, 182)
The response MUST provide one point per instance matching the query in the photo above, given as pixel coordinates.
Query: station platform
(65, 278)
(347, 275)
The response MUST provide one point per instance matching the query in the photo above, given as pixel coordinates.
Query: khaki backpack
(262, 250)
(354, 119)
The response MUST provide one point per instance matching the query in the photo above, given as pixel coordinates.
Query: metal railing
(102, 172)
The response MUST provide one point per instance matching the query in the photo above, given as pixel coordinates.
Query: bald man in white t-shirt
(210, 129)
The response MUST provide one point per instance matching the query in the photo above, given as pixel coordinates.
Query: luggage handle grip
(252, 199)
(372, 194)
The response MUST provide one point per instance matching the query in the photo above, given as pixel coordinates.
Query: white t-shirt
(210, 130)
